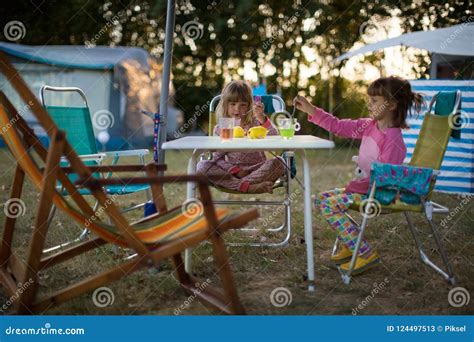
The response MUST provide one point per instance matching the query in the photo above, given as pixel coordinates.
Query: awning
(454, 40)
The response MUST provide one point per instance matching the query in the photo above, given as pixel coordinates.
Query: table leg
(190, 193)
(308, 220)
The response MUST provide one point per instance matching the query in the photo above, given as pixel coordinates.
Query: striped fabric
(175, 224)
(457, 170)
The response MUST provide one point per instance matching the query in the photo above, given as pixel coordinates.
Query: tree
(213, 38)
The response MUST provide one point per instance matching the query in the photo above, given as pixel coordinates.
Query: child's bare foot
(260, 188)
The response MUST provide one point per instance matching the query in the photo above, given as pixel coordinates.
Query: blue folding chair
(77, 123)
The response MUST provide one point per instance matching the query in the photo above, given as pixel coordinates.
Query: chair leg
(5, 248)
(40, 228)
(225, 273)
(346, 276)
(149, 196)
(288, 201)
(443, 253)
(449, 276)
(418, 243)
(85, 232)
(178, 263)
(287, 205)
(286, 224)
(334, 247)
(207, 293)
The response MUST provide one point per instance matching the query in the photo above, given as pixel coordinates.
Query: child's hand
(258, 112)
(304, 105)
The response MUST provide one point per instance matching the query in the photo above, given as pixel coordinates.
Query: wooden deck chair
(155, 238)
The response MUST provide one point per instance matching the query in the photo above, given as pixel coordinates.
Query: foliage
(270, 35)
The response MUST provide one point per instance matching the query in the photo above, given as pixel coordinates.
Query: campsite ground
(400, 285)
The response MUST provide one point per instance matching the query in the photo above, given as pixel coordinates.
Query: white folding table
(299, 144)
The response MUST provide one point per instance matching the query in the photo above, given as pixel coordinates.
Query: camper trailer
(120, 84)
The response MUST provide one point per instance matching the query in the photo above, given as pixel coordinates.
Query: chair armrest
(140, 152)
(435, 172)
(412, 167)
(88, 157)
(117, 168)
(101, 182)
(411, 183)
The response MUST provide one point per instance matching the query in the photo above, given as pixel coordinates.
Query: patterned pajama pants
(268, 170)
(333, 205)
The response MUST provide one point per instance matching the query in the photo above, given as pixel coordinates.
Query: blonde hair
(236, 91)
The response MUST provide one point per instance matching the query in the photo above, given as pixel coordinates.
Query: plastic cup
(288, 127)
(226, 126)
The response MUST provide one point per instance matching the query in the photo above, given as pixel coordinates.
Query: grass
(400, 285)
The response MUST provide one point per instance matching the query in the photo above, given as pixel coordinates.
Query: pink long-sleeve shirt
(386, 146)
(233, 162)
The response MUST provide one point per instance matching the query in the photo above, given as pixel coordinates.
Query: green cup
(288, 127)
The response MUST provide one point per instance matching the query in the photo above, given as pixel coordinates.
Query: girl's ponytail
(416, 101)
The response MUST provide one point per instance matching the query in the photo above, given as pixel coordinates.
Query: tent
(119, 82)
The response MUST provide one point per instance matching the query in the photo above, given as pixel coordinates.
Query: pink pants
(268, 170)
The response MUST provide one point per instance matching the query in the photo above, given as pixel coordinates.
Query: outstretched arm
(342, 127)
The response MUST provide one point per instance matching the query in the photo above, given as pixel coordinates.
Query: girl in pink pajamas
(390, 99)
(250, 171)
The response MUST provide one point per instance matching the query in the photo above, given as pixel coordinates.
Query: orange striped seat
(175, 224)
